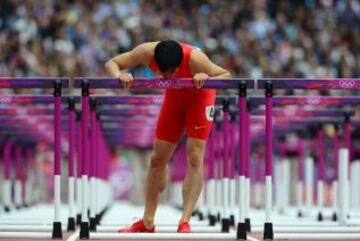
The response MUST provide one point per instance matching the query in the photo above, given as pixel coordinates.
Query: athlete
(191, 110)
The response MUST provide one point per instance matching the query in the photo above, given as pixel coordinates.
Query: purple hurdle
(71, 156)
(7, 146)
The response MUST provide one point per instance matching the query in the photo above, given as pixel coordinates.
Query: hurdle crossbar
(160, 83)
(317, 84)
(307, 100)
(32, 82)
(303, 113)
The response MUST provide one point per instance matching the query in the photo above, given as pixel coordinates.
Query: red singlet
(192, 110)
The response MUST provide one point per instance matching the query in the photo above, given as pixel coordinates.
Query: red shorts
(190, 110)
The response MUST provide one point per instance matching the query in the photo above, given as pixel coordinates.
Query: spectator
(253, 38)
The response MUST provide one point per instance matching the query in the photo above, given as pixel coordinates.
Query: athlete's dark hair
(168, 55)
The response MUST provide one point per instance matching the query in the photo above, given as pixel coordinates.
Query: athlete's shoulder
(197, 56)
(144, 52)
(147, 47)
(189, 46)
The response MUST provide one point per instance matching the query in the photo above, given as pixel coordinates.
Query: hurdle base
(320, 217)
(71, 224)
(97, 218)
(103, 212)
(212, 220)
(241, 233)
(248, 224)
(78, 219)
(232, 220)
(57, 231)
(84, 230)
(200, 216)
(93, 224)
(225, 225)
(6, 209)
(300, 214)
(268, 231)
(334, 217)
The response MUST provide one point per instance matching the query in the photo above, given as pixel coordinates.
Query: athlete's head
(168, 57)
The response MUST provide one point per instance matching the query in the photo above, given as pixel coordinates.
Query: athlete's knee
(195, 158)
(157, 161)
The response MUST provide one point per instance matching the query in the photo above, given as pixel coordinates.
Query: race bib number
(210, 112)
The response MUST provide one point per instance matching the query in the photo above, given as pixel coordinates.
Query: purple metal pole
(85, 135)
(84, 226)
(96, 151)
(79, 148)
(71, 141)
(268, 226)
(92, 138)
(321, 155)
(92, 164)
(57, 136)
(102, 154)
(242, 227)
(242, 141)
(269, 136)
(232, 144)
(71, 180)
(226, 163)
(57, 230)
(248, 144)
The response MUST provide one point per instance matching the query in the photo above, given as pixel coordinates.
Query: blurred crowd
(252, 38)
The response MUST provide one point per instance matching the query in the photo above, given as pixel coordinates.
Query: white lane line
(252, 239)
(74, 236)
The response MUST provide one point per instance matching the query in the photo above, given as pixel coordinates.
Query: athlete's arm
(203, 68)
(141, 54)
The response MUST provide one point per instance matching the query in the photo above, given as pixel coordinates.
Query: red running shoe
(138, 227)
(184, 227)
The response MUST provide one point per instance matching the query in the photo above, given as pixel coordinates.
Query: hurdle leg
(57, 227)
(84, 227)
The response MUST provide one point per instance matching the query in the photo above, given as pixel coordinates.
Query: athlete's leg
(194, 176)
(157, 178)
(199, 117)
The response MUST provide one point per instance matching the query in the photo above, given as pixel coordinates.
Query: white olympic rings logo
(5, 98)
(158, 100)
(347, 84)
(313, 100)
(163, 84)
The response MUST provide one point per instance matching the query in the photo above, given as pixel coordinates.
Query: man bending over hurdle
(191, 109)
